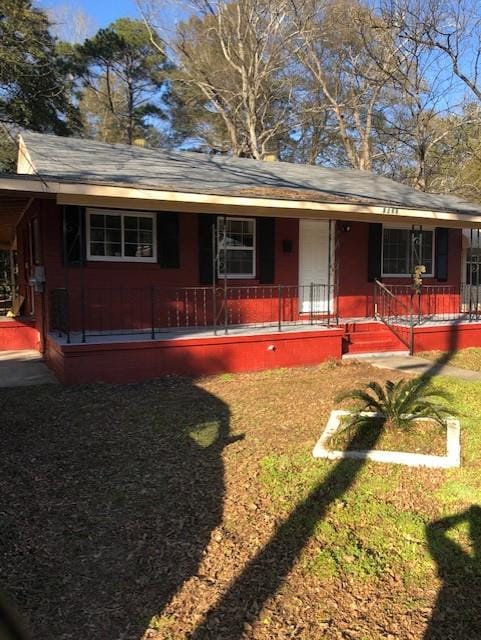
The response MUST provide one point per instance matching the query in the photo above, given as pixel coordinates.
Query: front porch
(126, 335)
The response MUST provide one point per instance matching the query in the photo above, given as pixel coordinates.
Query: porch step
(370, 337)
(374, 354)
(375, 346)
(364, 327)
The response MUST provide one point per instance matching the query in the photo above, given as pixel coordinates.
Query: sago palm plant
(400, 403)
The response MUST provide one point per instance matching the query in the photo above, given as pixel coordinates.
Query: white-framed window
(236, 241)
(397, 250)
(114, 235)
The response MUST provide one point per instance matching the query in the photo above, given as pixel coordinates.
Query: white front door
(314, 266)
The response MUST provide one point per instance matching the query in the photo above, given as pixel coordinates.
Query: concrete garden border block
(451, 459)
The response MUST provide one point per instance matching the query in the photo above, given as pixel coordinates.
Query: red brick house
(133, 262)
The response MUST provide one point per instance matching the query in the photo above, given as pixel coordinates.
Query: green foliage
(33, 83)
(122, 75)
(364, 536)
(399, 403)
(8, 152)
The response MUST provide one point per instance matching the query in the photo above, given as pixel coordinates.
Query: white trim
(405, 227)
(239, 276)
(122, 213)
(95, 194)
(450, 460)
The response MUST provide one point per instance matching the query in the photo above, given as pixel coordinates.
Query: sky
(74, 20)
(102, 12)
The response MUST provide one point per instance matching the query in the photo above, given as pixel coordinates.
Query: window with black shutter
(73, 235)
(168, 240)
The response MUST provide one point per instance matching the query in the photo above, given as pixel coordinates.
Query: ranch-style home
(128, 263)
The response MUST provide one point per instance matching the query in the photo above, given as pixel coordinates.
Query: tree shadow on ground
(108, 499)
(457, 613)
(261, 578)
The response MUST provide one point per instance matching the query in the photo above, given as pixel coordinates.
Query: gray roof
(80, 160)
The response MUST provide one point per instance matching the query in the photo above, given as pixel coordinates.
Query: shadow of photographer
(110, 495)
(457, 613)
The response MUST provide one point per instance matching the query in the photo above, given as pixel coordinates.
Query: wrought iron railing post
(67, 316)
(214, 308)
(311, 303)
(82, 311)
(152, 313)
(411, 324)
(226, 310)
(279, 308)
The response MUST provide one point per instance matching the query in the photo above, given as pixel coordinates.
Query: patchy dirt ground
(469, 358)
(180, 509)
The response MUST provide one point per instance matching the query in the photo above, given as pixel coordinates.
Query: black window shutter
(441, 253)
(168, 255)
(73, 236)
(206, 223)
(374, 252)
(266, 247)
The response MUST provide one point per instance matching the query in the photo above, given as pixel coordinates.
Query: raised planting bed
(423, 445)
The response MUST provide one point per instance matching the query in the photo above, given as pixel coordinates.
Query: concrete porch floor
(24, 368)
(189, 333)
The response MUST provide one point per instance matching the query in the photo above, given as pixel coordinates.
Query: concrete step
(377, 354)
(363, 327)
(375, 346)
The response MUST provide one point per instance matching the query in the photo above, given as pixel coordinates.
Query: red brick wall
(135, 361)
(356, 292)
(103, 281)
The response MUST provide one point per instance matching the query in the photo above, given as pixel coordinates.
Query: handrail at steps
(395, 328)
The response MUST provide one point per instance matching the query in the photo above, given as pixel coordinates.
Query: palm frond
(401, 402)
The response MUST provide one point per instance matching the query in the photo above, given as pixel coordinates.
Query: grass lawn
(421, 437)
(178, 510)
(469, 358)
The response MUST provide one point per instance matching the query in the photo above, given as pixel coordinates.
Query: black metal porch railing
(59, 311)
(402, 308)
(153, 310)
(395, 312)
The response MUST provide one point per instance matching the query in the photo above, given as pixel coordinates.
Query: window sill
(405, 275)
(121, 260)
(236, 277)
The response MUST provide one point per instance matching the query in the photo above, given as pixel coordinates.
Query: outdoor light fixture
(346, 227)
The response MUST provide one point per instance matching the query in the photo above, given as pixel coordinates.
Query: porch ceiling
(12, 208)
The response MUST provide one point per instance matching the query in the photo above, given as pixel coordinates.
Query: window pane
(239, 242)
(239, 262)
(130, 235)
(113, 249)
(97, 249)
(427, 250)
(145, 236)
(139, 250)
(113, 222)
(238, 233)
(145, 223)
(130, 222)
(396, 251)
(112, 235)
(403, 246)
(117, 236)
(97, 235)
(97, 221)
